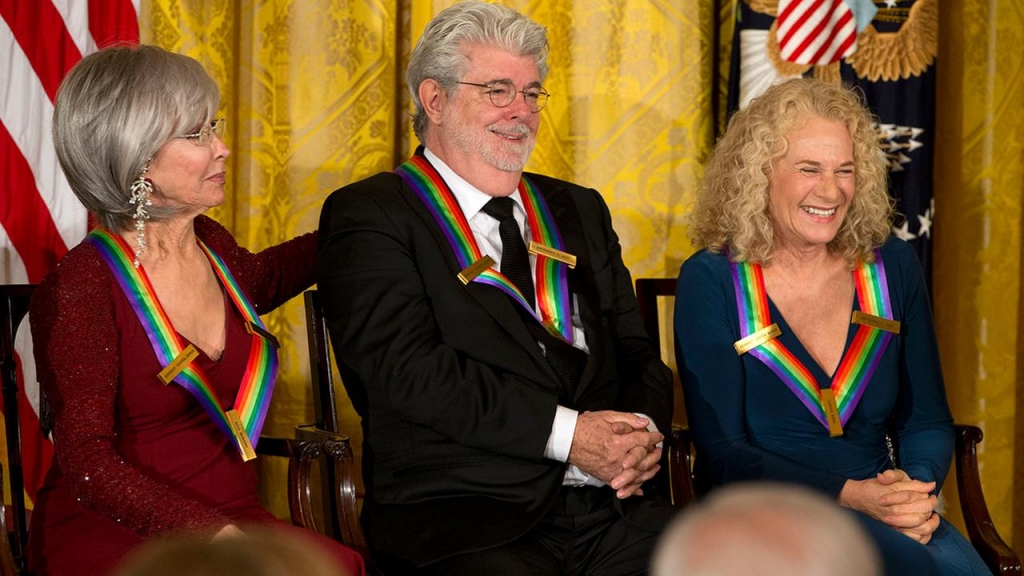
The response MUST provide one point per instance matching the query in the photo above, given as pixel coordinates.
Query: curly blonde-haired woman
(794, 224)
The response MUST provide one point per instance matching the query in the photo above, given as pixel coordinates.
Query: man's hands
(616, 448)
(894, 498)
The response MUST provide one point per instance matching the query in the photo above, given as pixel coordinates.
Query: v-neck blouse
(748, 425)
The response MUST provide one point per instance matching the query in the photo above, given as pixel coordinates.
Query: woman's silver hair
(114, 110)
(439, 56)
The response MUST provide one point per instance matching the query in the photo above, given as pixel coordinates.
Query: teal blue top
(747, 425)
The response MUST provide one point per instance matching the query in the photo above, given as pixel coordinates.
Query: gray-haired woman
(150, 348)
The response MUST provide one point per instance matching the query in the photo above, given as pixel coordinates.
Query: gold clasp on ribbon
(828, 402)
(476, 268)
(241, 436)
(754, 340)
(553, 253)
(878, 322)
(253, 328)
(171, 371)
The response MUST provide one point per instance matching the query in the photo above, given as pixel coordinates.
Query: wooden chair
(999, 557)
(13, 308)
(341, 510)
(308, 446)
(680, 450)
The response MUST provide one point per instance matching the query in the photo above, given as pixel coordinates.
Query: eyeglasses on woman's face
(205, 134)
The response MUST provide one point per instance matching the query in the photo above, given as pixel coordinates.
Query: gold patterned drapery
(979, 180)
(314, 94)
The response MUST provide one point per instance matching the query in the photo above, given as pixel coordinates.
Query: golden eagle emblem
(887, 56)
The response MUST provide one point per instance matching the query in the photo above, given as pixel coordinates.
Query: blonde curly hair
(732, 211)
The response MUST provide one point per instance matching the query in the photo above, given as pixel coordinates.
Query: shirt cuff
(576, 477)
(562, 429)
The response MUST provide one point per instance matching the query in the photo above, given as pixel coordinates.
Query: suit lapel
(566, 215)
(493, 301)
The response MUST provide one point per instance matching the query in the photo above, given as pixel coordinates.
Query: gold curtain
(977, 274)
(315, 98)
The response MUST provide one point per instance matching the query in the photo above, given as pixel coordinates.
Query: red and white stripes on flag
(40, 218)
(816, 32)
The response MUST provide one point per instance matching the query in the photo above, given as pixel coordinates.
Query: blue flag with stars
(887, 48)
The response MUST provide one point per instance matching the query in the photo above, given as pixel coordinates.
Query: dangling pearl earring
(141, 190)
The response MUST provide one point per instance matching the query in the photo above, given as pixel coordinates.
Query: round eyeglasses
(205, 134)
(503, 93)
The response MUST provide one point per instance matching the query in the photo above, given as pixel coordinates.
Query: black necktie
(566, 360)
(515, 261)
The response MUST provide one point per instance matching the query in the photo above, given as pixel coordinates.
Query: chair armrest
(338, 449)
(300, 454)
(999, 557)
(680, 464)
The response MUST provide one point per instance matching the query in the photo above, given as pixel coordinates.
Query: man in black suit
(487, 333)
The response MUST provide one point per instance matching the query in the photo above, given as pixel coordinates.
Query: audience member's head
(257, 553)
(765, 530)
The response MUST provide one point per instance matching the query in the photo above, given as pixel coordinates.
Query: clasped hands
(896, 499)
(616, 448)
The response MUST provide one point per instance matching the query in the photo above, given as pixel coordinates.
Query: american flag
(816, 31)
(40, 218)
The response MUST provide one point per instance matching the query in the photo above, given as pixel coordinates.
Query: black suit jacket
(455, 395)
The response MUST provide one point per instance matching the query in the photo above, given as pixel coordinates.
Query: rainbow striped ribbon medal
(834, 405)
(552, 263)
(244, 422)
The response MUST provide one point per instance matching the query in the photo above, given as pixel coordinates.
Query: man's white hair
(766, 529)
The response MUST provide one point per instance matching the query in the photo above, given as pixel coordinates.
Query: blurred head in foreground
(765, 529)
(257, 553)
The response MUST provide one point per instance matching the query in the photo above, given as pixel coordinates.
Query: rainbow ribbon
(257, 385)
(859, 361)
(253, 398)
(551, 276)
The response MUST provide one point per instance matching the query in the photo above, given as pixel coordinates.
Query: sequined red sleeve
(77, 353)
(270, 277)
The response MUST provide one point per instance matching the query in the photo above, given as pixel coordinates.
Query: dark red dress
(135, 458)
